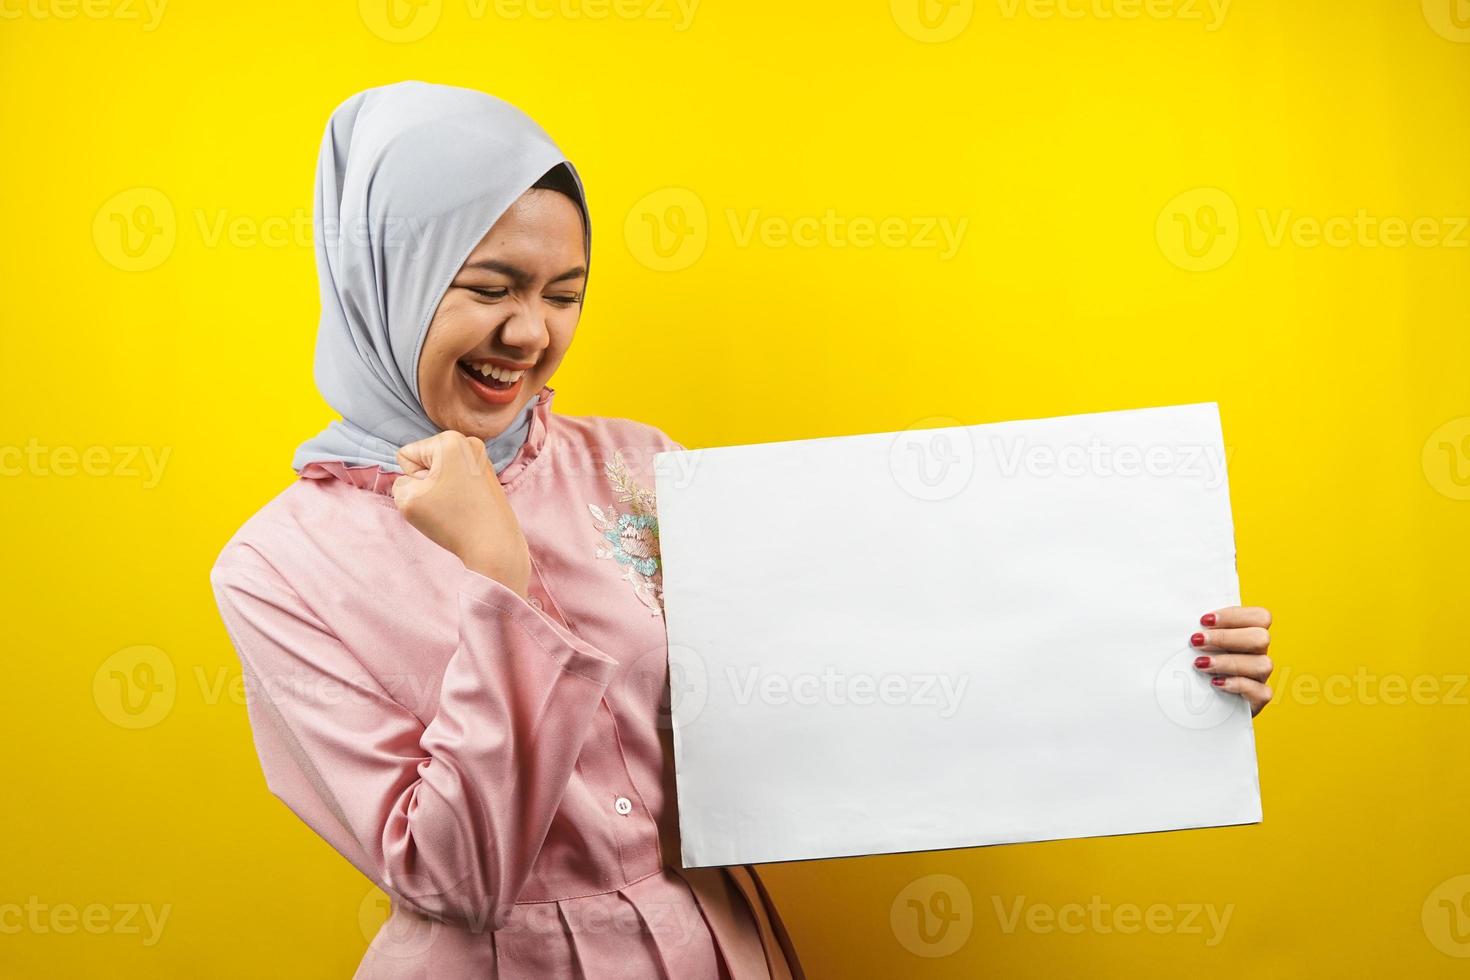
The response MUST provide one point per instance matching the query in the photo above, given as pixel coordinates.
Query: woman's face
(507, 318)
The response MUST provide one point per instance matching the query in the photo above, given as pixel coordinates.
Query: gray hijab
(410, 177)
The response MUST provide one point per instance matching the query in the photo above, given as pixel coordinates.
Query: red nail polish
(1197, 640)
(1201, 662)
(1208, 619)
(1217, 681)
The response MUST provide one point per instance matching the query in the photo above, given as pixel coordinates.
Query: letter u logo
(940, 909)
(1207, 220)
(1459, 475)
(676, 222)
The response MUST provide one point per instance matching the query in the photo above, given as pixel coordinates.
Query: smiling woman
(502, 766)
(508, 317)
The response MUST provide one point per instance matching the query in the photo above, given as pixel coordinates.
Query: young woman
(450, 624)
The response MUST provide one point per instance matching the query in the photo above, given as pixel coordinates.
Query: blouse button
(534, 602)
(623, 805)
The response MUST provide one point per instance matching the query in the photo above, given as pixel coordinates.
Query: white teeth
(503, 375)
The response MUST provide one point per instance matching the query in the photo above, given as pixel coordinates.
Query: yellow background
(1080, 143)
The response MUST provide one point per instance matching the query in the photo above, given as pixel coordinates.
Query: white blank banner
(951, 637)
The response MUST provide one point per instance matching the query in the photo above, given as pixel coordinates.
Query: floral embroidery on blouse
(631, 535)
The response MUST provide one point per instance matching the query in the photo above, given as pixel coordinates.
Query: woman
(450, 624)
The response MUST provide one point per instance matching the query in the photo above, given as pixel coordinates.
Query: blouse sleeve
(448, 815)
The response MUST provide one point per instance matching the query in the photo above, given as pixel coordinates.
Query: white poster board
(951, 637)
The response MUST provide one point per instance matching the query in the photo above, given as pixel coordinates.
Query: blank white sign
(950, 637)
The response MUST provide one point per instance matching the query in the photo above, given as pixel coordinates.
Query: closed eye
(501, 293)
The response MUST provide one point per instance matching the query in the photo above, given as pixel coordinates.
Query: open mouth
(492, 382)
(491, 375)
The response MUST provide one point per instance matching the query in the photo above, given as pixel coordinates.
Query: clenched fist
(450, 493)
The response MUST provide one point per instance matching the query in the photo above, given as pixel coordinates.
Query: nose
(525, 329)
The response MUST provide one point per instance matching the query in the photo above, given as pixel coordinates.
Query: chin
(487, 421)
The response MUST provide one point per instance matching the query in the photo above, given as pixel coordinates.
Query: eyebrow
(520, 275)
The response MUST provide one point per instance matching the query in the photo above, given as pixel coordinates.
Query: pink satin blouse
(501, 766)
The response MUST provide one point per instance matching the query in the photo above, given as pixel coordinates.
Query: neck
(504, 447)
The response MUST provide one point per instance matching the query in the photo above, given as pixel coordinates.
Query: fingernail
(1208, 619)
(1217, 681)
(1202, 662)
(1197, 640)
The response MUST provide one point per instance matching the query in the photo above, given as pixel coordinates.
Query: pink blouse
(501, 766)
